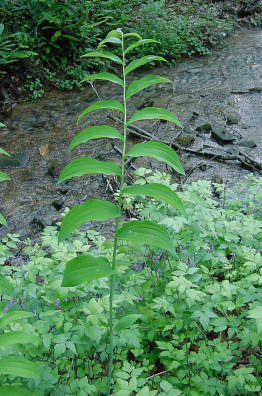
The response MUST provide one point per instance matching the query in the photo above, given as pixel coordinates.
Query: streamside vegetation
(171, 304)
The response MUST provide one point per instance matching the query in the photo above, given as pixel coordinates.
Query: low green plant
(88, 267)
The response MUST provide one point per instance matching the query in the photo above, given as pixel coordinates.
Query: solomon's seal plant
(86, 268)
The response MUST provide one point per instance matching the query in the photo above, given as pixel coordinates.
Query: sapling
(86, 268)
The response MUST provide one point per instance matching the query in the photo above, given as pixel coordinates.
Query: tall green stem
(112, 278)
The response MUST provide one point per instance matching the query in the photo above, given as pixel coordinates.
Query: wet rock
(221, 135)
(255, 89)
(37, 225)
(248, 143)
(185, 139)
(58, 204)
(233, 118)
(54, 169)
(18, 160)
(205, 128)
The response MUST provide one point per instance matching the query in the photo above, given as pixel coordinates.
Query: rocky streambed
(217, 98)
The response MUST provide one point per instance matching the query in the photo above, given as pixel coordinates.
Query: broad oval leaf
(15, 391)
(138, 43)
(142, 61)
(143, 83)
(126, 321)
(146, 233)
(95, 132)
(3, 176)
(88, 166)
(110, 39)
(13, 317)
(104, 76)
(2, 151)
(159, 151)
(103, 54)
(16, 337)
(157, 191)
(6, 287)
(133, 34)
(3, 220)
(115, 33)
(94, 209)
(152, 113)
(103, 104)
(85, 268)
(19, 367)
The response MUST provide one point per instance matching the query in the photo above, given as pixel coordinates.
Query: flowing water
(204, 91)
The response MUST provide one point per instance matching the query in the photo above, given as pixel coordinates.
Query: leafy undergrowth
(199, 314)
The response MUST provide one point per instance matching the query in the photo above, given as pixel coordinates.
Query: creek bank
(203, 94)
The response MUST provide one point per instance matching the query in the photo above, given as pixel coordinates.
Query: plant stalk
(120, 198)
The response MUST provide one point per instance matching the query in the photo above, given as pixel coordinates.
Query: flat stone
(248, 143)
(222, 135)
(18, 160)
(205, 128)
(233, 118)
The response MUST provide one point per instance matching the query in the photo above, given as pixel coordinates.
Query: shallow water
(204, 91)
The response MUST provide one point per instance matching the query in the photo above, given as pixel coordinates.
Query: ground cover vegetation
(41, 41)
(170, 305)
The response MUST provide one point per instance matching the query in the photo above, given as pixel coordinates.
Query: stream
(218, 92)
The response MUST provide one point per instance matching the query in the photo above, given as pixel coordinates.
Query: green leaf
(157, 191)
(3, 220)
(95, 132)
(133, 34)
(152, 113)
(56, 35)
(2, 151)
(146, 233)
(159, 151)
(13, 317)
(87, 166)
(110, 39)
(5, 286)
(2, 26)
(126, 321)
(104, 54)
(115, 33)
(3, 176)
(104, 76)
(19, 367)
(103, 104)
(94, 209)
(85, 268)
(138, 43)
(15, 391)
(142, 61)
(16, 337)
(143, 83)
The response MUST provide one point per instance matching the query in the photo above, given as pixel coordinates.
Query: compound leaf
(103, 104)
(142, 61)
(159, 151)
(143, 83)
(157, 191)
(152, 113)
(94, 209)
(87, 166)
(146, 233)
(85, 268)
(95, 132)
(126, 321)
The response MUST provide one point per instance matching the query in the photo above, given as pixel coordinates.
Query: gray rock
(233, 118)
(221, 135)
(248, 143)
(205, 128)
(18, 160)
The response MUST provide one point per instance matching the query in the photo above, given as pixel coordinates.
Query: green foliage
(3, 176)
(188, 324)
